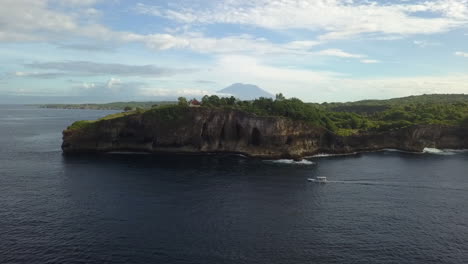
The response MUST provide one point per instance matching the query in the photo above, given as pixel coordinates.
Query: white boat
(319, 179)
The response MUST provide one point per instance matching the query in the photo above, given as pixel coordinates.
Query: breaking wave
(443, 151)
(324, 155)
(290, 161)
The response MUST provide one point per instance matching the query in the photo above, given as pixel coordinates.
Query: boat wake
(362, 182)
(398, 184)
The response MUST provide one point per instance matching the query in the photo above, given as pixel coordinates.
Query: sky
(315, 50)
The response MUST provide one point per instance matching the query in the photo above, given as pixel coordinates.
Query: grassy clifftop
(164, 113)
(341, 118)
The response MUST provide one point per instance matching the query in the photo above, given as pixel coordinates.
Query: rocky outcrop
(205, 130)
(411, 139)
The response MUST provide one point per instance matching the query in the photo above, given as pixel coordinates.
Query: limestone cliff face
(204, 130)
(412, 139)
(198, 130)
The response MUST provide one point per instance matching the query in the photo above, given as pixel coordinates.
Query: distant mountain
(245, 91)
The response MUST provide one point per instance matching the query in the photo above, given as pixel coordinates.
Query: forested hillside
(341, 118)
(349, 118)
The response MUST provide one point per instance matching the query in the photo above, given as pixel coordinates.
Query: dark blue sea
(385, 207)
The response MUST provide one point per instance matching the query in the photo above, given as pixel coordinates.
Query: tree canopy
(349, 118)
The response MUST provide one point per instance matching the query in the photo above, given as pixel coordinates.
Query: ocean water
(384, 207)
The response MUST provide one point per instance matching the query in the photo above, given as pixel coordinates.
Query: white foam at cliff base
(290, 161)
(443, 151)
(241, 155)
(324, 155)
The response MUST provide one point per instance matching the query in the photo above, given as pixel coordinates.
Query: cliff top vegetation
(341, 118)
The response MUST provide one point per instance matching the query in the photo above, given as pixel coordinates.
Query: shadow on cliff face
(256, 137)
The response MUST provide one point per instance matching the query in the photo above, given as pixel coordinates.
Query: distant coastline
(109, 106)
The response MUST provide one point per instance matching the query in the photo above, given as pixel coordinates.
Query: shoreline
(290, 160)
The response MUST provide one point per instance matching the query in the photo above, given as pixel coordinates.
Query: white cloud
(155, 92)
(231, 44)
(147, 10)
(162, 92)
(338, 18)
(461, 54)
(73, 3)
(21, 74)
(335, 17)
(55, 22)
(457, 9)
(23, 18)
(88, 68)
(37, 75)
(88, 86)
(43, 23)
(390, 87)
(41, 20)
(113, 82)
(339, 53)
(369, 61)
(425, 43)
(304, 44)
(242, 67)
(342, 54)
(113, 89)
(318, 86)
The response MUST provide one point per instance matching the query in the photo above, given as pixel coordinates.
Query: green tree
(212, 100)
(182, 101)
(127, 108)
(280, 97)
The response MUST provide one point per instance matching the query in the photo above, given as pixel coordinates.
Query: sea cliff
(216, 130)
